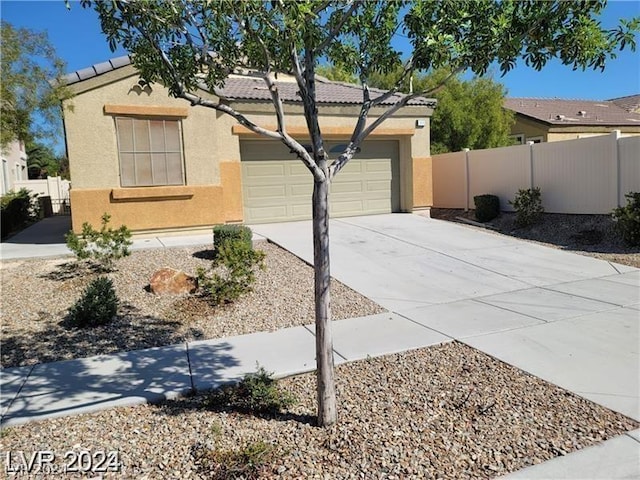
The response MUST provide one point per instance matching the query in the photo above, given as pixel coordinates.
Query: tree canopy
(29, 86)
(193, 46)
(469, 114)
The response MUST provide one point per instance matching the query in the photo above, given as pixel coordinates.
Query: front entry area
(277, 186)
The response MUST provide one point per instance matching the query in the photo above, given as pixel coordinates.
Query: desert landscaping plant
(528, 206)
(101, 247)
(226, 233)
(627, 219)
(98, 305)
(257, 393)
(487, 207)
(18, 209)
(249, 462)
(232, 272)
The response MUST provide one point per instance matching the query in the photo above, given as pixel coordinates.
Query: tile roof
(630, 103)
(254, 89)
(573, 112)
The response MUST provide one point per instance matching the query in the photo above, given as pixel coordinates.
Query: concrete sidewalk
(46, 239)
(90, 384)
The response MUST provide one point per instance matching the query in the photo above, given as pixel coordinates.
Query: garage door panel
(346, 207)
(262, 169)
(265, 213)
(346, 187)
(300, 190)
(278, 187)
(378, 186)
(267, 191)
(302, 211)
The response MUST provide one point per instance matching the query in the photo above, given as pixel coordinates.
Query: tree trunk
(327, 412)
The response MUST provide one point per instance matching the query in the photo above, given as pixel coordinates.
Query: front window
(150, 151)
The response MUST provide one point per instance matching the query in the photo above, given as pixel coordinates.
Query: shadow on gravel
(129, 331)
(200, 401)
(207, 254)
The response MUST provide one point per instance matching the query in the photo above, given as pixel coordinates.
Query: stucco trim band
(327, 132)
(146, 110)
(151, 193)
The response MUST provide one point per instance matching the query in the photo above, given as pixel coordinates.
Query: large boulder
(172, 281)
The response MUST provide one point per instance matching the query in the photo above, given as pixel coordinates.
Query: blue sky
(78, 40)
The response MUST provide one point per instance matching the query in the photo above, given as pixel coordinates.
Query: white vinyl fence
(587, 175)
(54, 187)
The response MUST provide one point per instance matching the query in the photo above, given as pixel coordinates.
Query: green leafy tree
(335, 74)
(42, 161)
(30, 70)
(470, 114)
(186, 45)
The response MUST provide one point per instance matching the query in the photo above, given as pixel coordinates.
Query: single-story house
(14, 166)
(155, 162)
(550, 120)
(631, 103)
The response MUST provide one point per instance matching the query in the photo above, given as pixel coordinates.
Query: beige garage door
(277, 186)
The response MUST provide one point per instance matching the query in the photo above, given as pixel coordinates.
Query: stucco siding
(211, 153)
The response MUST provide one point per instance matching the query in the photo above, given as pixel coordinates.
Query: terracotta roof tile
(254, 89)
(630, 103)
(572, 112)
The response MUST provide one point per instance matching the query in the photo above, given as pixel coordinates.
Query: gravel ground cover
(445, 412)
(592, 235)
(36, 295)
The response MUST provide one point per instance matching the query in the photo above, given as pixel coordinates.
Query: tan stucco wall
(163, 208)
(211, 153)
(422, 182)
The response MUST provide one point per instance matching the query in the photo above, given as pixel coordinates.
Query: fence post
(466, 179)
(530, 164)
(615, 136)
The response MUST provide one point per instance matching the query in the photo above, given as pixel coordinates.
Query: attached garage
(277, 186)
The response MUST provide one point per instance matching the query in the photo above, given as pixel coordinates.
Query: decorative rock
(171, 281)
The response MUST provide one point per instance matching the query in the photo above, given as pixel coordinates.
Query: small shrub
(528, 206)
(487, 207)
(257, 393)
(98, 305)
(233, 271)
(250, 462)
(103, 247)
(231, 233)
(17, 210)
(627, 219)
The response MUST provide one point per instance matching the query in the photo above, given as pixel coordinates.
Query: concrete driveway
(569, 319)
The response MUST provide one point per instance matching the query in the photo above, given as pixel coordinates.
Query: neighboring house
(155, 162)
(630, 103)
(550, 120)
(14, 166)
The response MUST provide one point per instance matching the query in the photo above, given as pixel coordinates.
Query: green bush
(487, 207)
(17, 209)
(98, 305)
(258, 393)
(528, 206)
(233, 271)
(627, 219)
(102, 247)
(231, 233)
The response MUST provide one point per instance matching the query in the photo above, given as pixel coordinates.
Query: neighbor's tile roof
(254, 89)
(573, 112)
(630, 103)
